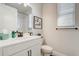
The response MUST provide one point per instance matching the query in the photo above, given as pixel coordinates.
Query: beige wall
(64, 41)
(36, 11)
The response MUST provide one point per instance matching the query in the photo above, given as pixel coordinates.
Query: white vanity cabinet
(22, 47)
(32, 51)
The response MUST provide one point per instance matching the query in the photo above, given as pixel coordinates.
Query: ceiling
(20, 7)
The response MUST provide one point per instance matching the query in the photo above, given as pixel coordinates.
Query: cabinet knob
(30, 52)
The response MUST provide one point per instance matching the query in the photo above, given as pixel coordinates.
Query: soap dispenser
(13, 34)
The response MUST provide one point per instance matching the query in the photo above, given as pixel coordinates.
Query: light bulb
(25, 4)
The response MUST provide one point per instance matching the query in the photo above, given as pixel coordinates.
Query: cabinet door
(36, 50)
(0, 51)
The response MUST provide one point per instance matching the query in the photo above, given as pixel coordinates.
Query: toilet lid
(46, 48)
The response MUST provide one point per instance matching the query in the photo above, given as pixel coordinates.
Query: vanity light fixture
(19, 3)
(24, 4)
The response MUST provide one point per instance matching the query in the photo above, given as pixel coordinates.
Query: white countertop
(11, 41)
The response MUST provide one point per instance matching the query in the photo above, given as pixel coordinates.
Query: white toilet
(46, 50)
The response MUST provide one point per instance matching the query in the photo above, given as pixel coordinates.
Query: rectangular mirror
(14, 16)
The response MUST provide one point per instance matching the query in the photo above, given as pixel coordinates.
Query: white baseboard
(56, 53)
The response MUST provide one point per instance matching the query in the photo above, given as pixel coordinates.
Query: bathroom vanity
(14, 17)
(22, 46)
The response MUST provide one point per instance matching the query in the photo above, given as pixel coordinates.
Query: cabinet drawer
(12, 49)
